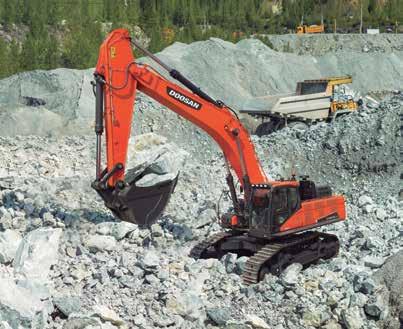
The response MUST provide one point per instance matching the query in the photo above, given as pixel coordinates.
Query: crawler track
(269, 256)
(255, 263)
(209, 246)
(305, 248)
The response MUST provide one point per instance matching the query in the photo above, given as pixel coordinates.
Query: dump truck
(304, 29)
(314, 101)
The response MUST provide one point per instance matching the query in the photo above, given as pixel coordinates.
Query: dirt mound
(320, 44)
(234, 73)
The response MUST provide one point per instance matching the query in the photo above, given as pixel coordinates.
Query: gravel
(145, 277)
(321, 44)
(76, 266)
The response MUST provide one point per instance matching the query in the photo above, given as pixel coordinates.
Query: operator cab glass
(274, 210)
(285, 202)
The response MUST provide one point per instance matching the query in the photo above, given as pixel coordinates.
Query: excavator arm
(122, 77)
(118, 77)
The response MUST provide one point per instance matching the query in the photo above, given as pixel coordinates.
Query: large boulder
(9, 241)
(36, 254)
(57, 101)
(152, 160)
(290, 275)
(391, 275)
(188, 305)
(19, 307)
(97, 243)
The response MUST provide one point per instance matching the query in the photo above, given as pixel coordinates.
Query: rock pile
(321, 44)
(69, 264)
(61, 101)
(65, 262)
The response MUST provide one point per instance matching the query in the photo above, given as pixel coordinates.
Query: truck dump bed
(303, 107)
(311, 101)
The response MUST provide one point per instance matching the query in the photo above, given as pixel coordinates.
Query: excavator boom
(118, 77)
(124, 77)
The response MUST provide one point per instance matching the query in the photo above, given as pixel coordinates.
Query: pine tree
(4, 56)
(9, 12)
(81, 47)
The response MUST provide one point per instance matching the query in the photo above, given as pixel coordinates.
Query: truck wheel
(298, 125)
(266, 128)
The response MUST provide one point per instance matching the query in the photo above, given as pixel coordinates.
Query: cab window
(279, 200)
(293, 198)
(285, 201)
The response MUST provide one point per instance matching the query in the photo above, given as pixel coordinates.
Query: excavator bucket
(135, 204)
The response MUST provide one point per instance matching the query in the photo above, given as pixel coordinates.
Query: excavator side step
(268, 256)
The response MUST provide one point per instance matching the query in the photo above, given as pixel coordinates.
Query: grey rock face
(332, 43)
(220, 316)
(352, 318)
(67, 304)
(391, 275)
(65, 100)
(19, 307)
(61, 99)
(36, 254)
(290, 275)
(9, 242)
(97, 243)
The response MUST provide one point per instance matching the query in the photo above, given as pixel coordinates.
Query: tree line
(67, 33)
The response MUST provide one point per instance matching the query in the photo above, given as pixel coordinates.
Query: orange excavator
(272, 222)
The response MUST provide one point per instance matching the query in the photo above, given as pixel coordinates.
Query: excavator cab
(280, 203)
(273, 205)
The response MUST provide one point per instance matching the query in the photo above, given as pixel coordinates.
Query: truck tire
(265, 128)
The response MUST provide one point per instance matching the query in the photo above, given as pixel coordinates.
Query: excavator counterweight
(271, 221)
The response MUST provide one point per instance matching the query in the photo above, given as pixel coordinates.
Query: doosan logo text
(184, 99)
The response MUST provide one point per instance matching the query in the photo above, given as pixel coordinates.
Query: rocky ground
(65, 262)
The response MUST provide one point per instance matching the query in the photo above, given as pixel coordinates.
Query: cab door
(284, 203)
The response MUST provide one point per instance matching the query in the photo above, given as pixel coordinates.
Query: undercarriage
(268, 255)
